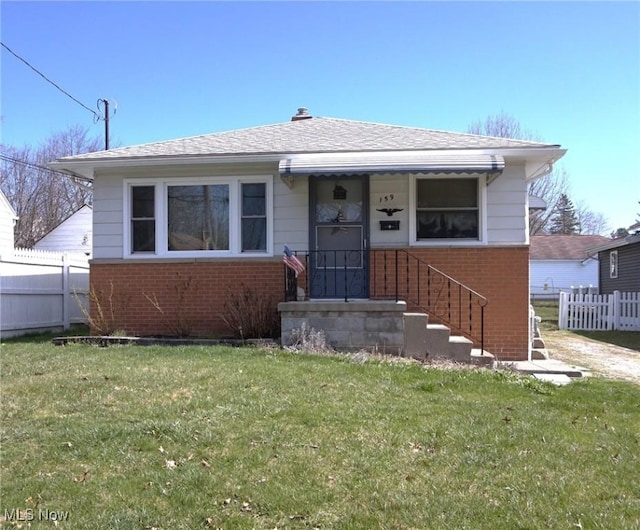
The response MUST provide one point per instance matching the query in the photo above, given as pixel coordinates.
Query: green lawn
(547, 310)
(215, 437)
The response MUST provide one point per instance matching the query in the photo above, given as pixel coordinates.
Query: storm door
(339, 238)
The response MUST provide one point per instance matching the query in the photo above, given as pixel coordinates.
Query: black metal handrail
(400, 274)
(391, 274)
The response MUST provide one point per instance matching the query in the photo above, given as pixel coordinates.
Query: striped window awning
(416, 162)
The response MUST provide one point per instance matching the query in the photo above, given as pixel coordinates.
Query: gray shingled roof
(572, 247)
(313, 135)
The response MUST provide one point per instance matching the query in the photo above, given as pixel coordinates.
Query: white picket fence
(599, 312)
(41, 291)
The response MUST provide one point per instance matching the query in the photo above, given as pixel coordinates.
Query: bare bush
(176, 314)
(250, 314)
(105, 310)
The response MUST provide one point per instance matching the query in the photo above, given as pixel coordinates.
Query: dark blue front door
(339, 238)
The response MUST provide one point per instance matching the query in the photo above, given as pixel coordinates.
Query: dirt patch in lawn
(603, 359)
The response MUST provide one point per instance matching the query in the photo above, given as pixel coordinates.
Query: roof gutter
(616, 243)
(538, 161)
(86, 168)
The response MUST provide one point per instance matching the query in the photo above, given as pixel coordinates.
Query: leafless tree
(503, 125)
(549, 188)
(43, 198)
(591, 222)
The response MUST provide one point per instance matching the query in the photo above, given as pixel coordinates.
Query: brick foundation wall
(191, 295)
(501, 274)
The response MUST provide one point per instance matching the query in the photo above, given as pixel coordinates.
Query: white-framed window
(447, 209)
(199, 217)
(613, 264)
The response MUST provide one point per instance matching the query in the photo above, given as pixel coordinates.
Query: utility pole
(106, 120)
(106, 124)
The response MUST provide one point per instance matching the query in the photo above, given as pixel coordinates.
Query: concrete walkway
(552, 370)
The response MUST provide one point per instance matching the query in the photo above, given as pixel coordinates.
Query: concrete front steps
(434, 341)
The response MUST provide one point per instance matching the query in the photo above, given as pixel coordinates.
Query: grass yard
(547, 310)
(131, 437)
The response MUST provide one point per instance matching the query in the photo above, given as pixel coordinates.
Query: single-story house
(620, 265)
(559, 263)
(73, 235)
(8, 220)
(417, 219)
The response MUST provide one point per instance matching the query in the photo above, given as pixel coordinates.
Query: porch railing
(393, 274)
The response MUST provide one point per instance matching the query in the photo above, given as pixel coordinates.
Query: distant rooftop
(572, 247)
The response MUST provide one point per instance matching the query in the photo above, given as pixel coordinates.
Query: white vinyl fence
(599, 312)
(41, 290)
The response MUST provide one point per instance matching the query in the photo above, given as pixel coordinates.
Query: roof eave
(87, 167)
(616, 243)
(537, 160)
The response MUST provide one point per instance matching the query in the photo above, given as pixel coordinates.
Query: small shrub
(104, 319)
(177, 318)
(250, 314)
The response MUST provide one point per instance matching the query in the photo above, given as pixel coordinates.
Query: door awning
(390, 162)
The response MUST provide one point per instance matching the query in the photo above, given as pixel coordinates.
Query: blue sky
(567, 71)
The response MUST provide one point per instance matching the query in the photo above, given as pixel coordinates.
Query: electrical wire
(13, 160)
(97, 116)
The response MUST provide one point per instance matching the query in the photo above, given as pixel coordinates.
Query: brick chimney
(302, 114)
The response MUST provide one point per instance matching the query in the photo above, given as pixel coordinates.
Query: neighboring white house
(45, 288)
(559, 263)
(8, 220)
(73, 235)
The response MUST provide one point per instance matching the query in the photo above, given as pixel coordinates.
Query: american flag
(292, 261)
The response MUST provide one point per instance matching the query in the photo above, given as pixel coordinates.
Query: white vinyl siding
(7, 217)
(291, 214)
(73, 235)
(108, 231)
(506, 208)
(561, 275)
(381, 187)
(502, 212)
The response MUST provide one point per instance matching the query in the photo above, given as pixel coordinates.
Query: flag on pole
(292, 261)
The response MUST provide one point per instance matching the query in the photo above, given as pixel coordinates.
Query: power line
(97, 116)
(13, 160)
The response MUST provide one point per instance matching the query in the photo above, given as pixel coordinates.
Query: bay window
(198, 217)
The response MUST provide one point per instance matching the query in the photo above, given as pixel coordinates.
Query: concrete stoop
(482, 358)
(539, 354)
(434, 341)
